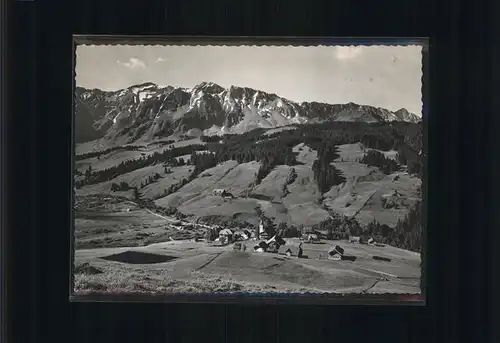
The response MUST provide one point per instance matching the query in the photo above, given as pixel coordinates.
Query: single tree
(137, 194)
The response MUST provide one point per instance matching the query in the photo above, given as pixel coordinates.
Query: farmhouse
(221, 192)
(242, 235)
(277, 239)
(311, 238)
(261, 247)
(225, 235)
(274, 244)
(335, 253)
(290, 250)
(238, 246)
(354, 239)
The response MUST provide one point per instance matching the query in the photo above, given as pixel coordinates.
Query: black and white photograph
(248, 169)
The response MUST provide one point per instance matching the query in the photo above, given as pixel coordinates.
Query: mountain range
(148, 111)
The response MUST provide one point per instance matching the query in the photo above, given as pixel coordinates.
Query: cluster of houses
(276, 245)
(262, 243)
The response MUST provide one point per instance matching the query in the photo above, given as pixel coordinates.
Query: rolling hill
(149, 158)
(276, 172)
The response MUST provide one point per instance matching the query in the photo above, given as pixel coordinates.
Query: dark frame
(5, 304)
(278, 298)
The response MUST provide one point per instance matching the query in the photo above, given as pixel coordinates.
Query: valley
(158, 169)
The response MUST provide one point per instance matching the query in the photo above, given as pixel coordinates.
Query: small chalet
(290, 250)
(354, 239)
(312, 238)
(335, 253)
(225, 235)
(242, 235)
(261, 247)
(274, 244)
(238, 246)
(221, 192)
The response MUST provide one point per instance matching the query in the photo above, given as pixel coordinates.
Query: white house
(218, 192)
(225, 235)
(221, 192)
(354, 239)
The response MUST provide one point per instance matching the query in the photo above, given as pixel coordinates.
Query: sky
(381, 76)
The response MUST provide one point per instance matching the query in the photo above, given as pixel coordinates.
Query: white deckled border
(246, 41)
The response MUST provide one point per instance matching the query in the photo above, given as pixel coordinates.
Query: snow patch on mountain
(148, 110)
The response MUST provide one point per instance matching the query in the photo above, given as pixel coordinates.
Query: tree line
(277, 149)
(120, 187)
(378, 159)
(289, 180)
(107, 151)
(407, 234)
(150, 179)
(405, 138)
(130, 165)
(325, 174)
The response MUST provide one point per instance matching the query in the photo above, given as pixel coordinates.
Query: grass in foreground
(118, 279)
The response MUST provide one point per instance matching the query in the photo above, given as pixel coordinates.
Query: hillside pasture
(136, 177)
(193, 265)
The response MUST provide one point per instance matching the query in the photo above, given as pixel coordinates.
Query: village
(182, 253)
(134, 237)
(260, 242)
(264, 239)
(185, 255)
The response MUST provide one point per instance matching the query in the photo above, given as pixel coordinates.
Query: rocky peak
(208, 87)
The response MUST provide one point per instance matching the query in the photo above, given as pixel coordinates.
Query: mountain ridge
(147, 111)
